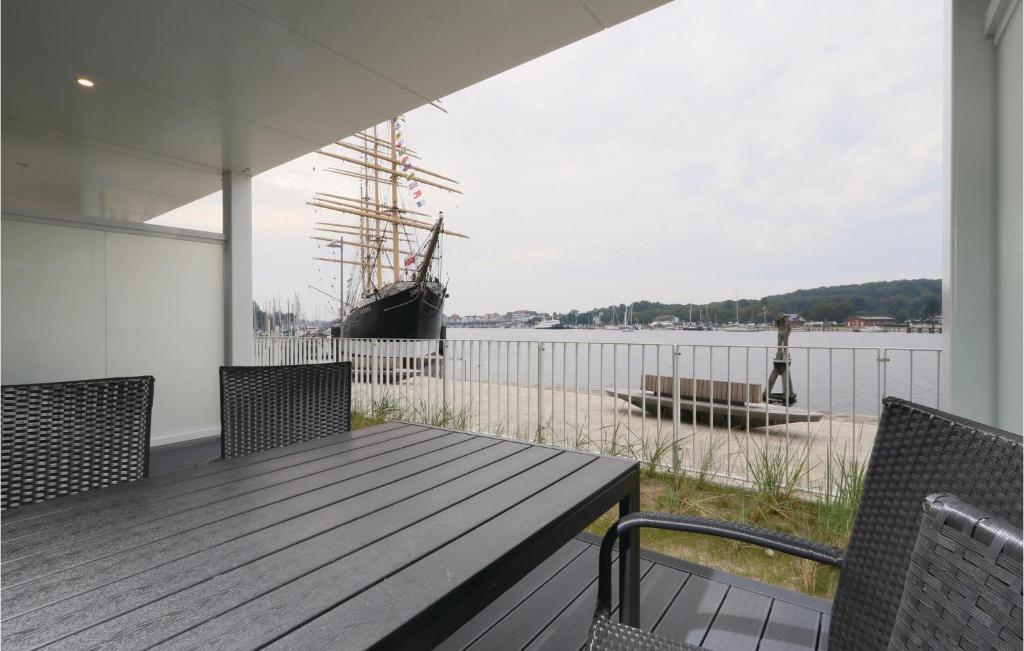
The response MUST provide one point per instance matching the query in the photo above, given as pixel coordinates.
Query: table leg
(629, 561)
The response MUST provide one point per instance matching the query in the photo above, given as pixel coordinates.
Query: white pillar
(237, 191)
(1008, 39)
(982, 223)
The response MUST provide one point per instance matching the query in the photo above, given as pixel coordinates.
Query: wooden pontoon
(725, 403)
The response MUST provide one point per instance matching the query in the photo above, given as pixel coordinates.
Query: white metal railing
(565, 393)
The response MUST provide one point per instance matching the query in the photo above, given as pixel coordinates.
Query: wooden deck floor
(551, 608)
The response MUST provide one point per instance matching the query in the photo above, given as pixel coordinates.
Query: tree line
(900, 299)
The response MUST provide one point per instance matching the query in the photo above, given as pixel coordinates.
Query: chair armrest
(767, 538)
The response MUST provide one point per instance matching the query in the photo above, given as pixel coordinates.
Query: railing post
(540, 389)
(373, 373)
(444, 376)
(676, 412)
(883, 376)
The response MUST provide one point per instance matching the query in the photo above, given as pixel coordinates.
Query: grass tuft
(776, 471)
(386, 407)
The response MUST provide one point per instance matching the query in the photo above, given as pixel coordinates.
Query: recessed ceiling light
(82, 81)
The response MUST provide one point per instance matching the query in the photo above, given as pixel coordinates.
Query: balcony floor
(551, 608)
(179, 456)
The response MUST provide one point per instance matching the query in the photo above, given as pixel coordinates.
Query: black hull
(399, 311)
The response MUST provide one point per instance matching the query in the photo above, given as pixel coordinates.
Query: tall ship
(383, 234)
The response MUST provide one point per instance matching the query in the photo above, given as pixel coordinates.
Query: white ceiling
(188, 89)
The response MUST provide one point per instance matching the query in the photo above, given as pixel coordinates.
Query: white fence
(574, 394)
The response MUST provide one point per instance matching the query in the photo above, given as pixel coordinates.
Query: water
(835, 372)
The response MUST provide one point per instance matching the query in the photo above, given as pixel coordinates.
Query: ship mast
(394, 201)
(379, 230)
(428, 255)
(377, 224)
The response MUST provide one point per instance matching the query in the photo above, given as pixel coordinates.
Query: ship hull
(398, 311)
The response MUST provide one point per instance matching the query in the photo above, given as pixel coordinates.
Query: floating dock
(757, 414)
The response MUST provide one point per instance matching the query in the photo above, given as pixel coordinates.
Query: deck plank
(826, 621)
(658, 586)
(739, 621)
(664, 606)
(690, 614)
(166, 459)
(790, 628)
(571, 626)
(518, 594)
(524, 623)
(657, 591)
(569, 630)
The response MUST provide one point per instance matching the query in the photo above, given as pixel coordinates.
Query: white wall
(1009, 233)
(982, 276)
(83, 303)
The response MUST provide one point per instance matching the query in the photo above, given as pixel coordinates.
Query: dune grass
(361, 420)
(774, 505)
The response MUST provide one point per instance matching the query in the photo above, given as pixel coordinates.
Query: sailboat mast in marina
(394, 244)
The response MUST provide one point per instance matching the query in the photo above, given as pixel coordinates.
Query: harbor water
(830, 371)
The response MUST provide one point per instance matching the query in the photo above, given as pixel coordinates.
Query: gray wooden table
(393, 535)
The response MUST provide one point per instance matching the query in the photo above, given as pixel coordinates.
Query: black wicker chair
(61, 438)
(963, 586)
(265, 407)
(918, 451)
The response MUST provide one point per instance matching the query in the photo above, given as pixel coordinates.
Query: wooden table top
(393, 535)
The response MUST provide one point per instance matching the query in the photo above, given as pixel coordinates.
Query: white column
(1008, 39)
(237, 191)
(982, 221)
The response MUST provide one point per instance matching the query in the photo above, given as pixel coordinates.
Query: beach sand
(797, 453)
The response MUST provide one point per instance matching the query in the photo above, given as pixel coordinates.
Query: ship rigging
(386, 236)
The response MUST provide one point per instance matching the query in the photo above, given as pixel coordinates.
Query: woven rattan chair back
(917, 452)
(62, 438)
(265, 407)
(963, 587)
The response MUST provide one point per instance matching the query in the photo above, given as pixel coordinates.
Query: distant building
(868, 321)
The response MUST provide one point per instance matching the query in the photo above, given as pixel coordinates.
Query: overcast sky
(700, 151)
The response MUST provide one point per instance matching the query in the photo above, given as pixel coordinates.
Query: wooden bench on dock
(735, 393)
